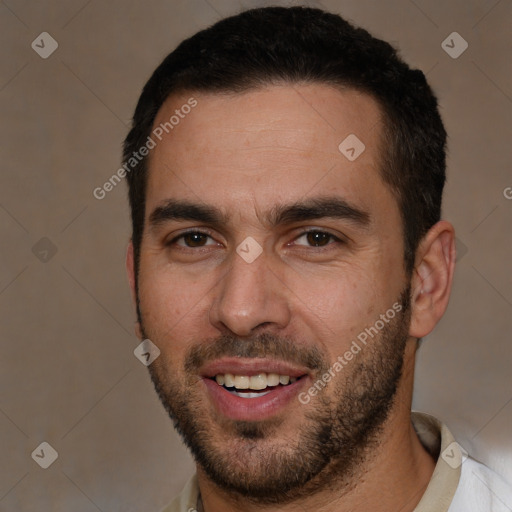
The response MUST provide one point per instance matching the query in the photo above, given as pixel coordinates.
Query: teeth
(272, 379)
(255, 382)
(250, 395)
(241, 382)
(258, 382)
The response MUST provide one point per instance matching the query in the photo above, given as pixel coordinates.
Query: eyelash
(336, 239)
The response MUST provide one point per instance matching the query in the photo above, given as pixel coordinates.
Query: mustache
(265, 345)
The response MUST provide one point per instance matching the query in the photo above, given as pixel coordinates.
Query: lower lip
(252, 409)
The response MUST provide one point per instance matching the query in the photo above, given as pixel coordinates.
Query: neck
(393, 475)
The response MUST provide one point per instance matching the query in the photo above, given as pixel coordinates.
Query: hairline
(385, 149)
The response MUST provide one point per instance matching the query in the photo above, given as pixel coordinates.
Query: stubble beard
(340, 431)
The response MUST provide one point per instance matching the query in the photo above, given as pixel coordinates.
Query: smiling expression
(265, 253)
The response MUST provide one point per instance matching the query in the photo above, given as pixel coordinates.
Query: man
(287, 256)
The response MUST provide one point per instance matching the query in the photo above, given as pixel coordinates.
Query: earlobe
(432, 278)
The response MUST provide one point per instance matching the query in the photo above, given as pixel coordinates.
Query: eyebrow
(184, 210)
(316, 208)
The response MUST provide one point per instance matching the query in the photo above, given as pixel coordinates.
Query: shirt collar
(440, 443)
(436, 439)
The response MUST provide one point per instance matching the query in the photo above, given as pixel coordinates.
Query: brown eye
(315, 238)
(195, 239)
(318, 238)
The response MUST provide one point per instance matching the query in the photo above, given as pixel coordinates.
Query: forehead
(271, 145)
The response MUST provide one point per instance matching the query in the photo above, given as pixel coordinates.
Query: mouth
(252, 390)
(253, 386)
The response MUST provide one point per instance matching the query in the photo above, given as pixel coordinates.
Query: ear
(132, 279)
(432, 278)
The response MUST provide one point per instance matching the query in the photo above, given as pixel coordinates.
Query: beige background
(68, 373)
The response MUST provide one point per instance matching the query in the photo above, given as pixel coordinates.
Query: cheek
(335, 302)
(172, 315)
(339, 305)
(169, 301)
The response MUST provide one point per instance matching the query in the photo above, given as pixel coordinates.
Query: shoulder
(480, 489)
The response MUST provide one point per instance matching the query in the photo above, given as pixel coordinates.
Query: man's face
(323, 262)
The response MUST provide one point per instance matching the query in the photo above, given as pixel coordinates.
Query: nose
(249, 297)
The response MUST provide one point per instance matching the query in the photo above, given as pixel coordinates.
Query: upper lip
(250, 367)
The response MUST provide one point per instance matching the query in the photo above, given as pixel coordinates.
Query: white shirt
(481, 489)
(459, 483)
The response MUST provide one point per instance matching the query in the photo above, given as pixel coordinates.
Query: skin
(245, 154)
